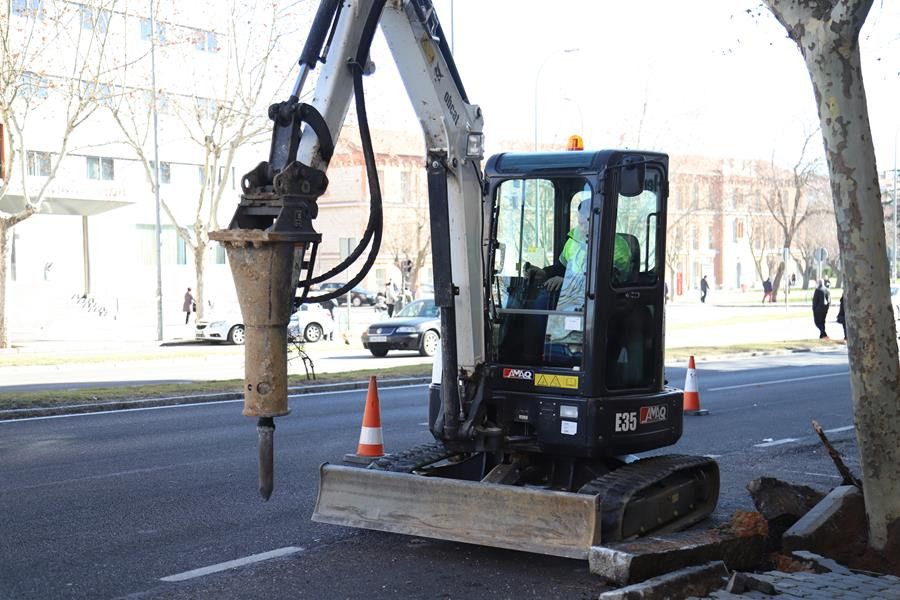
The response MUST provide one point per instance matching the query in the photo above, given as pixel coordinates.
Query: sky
(701, 77)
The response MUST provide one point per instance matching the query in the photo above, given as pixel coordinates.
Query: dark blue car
(417, 326)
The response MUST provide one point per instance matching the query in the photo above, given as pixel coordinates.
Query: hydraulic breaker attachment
(503, 516)
(267, 244)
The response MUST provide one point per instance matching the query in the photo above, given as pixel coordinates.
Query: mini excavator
(548, 275)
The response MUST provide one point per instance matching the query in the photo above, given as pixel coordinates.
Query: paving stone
(823, 562)
(699, 580)
(629, 562)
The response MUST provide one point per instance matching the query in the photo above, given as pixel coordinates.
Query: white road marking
(826, 475)
(838, 429)
(758, 383)
(231, 564)
(125, 410)
(775, 443)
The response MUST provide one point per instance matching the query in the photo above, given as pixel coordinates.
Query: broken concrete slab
(782, 504)
(624, 563)
(691, 581)
(830, 527)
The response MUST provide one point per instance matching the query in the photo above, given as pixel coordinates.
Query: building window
(162, 102)
(28, 8)
(206, 107)
(180, 251)
(34, 86)
(160, 31)
(101, 168)
(102, 93)
(91, 19)
(206, 41)
(222, 176)
(38, 163)
(165, 171)
(405, 187)
(220, 254)
(738, 230)
(695, 237)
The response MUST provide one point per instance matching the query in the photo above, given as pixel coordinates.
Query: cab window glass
(634, 257)
(540, 266)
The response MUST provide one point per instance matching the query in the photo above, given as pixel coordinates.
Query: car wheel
(429, 343)
(378, 352)
(356, 301)
(236, 335)
(312, 333)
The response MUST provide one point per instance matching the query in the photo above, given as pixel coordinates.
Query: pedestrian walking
(821, 300)
(189, 305)
(704, 289)
(767, 290)
(329, 306)
(842, 318)
(390, 297)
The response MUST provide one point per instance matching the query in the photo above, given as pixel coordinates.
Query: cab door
(635, 248)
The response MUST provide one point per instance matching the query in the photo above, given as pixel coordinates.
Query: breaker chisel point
(265, 427)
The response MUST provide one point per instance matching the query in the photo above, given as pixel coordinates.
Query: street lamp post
(537, 79)
(157, 230)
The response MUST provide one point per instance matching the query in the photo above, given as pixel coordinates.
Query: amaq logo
(653, 414)
(518, 374)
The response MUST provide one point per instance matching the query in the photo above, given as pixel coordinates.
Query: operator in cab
(568, 277)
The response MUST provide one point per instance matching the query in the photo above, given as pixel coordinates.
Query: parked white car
(310, 323)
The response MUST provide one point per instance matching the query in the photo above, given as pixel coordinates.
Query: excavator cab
(575, 303)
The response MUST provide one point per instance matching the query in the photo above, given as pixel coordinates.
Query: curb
(52, 411)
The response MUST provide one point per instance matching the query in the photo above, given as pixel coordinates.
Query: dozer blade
(504, 516)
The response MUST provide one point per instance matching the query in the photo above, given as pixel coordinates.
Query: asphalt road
(110, 505)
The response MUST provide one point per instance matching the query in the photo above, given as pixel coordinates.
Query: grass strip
(125, 392)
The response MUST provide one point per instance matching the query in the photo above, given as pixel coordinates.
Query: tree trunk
(199, 253)
(4, 257)
(829, 42)
(776, 283)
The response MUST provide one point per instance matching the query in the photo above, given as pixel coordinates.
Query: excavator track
(413, 458)
(655, 495)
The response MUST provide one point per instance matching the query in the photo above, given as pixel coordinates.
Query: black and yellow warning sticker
(569, 382)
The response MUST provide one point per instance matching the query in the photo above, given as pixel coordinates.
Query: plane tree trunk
(827, 33)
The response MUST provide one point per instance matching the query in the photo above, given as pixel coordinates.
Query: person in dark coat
(704, 289)
(821, 300)
(188, 306)
(767, 290)
(842, 318)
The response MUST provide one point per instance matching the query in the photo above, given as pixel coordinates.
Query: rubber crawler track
(413, 458)
(616, 488)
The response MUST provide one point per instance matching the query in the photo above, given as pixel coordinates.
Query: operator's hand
(554, 283)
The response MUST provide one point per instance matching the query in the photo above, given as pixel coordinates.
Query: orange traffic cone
(691, 395)
(371, 445)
